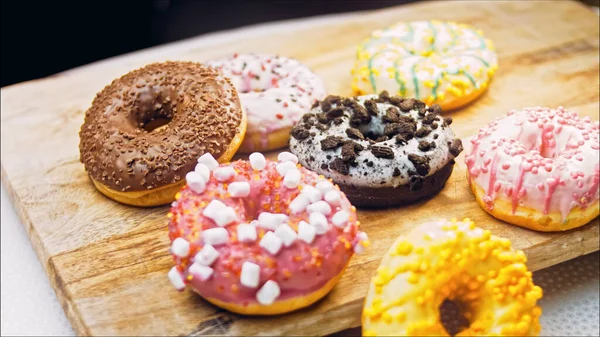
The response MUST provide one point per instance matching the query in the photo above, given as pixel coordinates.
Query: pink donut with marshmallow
(260, 237)
(537, 168)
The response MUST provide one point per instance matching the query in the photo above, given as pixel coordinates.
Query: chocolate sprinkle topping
(331, 142)
(339, 165)
(354, 133)
(119, 149)
(426, 146)
(456, 147)
(423, 131)
(420, 163)
(415, 183)
(392, 115)
(382, 152)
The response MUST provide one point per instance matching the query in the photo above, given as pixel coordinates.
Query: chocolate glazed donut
(146, 130)
(381, 150)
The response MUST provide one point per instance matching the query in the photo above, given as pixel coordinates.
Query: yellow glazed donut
(444, 63)
(455, 261)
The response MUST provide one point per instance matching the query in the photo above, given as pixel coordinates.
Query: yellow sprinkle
(169, 215)
(428, 84)
(441, 96)
(455, 91)
(459, 82)
(369, 333)
(404, 248)
(401, 317)
(386, 317)
(413, 278)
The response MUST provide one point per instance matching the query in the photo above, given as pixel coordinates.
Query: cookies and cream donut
(131, 157)
(444, 63)
(275, 92)
(381, 150)
(452, 261)
(260, 237)
(537, 168)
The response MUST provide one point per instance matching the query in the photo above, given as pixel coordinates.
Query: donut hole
(156, 124)
(452, 316)
(153, 110)
(374, 130)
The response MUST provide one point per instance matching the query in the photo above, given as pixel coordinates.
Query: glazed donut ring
(450, 260)
(381, 150)
(136, 165)
(260, 237)
(275, 92)
(442, 63)
(537, 168)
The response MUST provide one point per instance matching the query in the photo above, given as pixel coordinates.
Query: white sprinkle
(306, 232)
(246, 233)
(207, 255)
(224, 173)
(292, 178)
(250, 276)
(333, 197)
(239, 189)
(268, 293)
(287, 156)
(324, 185)
(319, 222)
(257, 161)
(298, 205)
(180, 247)
(312, 193)
(271, 220)
(195, 181)
(203, 170)
(176, 278)
(254, 223)
(202, 272)
(271, 243)
(340, 219)
(218, 212)
(215, 236)
(284, 167)
(208, 160)
(286, 234)
(320, 207)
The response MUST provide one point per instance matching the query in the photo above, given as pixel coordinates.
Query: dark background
(40, 38)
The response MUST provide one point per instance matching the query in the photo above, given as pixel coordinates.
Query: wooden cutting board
(108, 262)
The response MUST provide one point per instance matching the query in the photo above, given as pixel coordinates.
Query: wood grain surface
(108, 262)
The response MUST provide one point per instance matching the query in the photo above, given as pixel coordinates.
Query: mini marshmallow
(180, 247)
(333, 197)
(224, 173)
(250, 276)
(215, 236)
(206, 256)
(306, 232)
(200, 271)
(360, 245)
(319, 207)
(340, 219)
(271, 243)
(287, 156)
(257, 161)
(208, 160)
(221, 214)
(176, 278)
(271, 220)
(284, 167)
(195, 181)
(319, 222)
(268, 293)
(298, 205)
(324, 186)
(239, 189)
(292, 178)
(286, 234)
(203, 170)
(312, 193)
(246, 233)
(254, 223)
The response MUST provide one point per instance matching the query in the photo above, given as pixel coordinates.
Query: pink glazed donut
(275, 91)
(537, 168)
(260, 237)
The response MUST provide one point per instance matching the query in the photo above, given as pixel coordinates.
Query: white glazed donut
(442, 63)
(275, 91)
(381, 150)
(537, 168)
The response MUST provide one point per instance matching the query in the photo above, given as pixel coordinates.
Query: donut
(275, 92)
(260, 237)
(146, 130)
(537, 168)
(444, 63)
(381, 150)
(453, 261)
